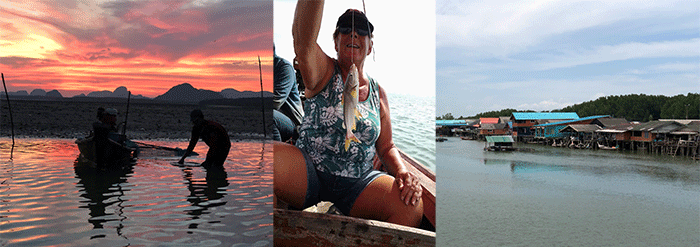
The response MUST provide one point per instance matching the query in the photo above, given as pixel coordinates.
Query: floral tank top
(322, 132)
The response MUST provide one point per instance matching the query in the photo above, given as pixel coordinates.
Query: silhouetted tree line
(633, 107)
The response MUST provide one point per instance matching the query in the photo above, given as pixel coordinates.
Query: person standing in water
(214, 135)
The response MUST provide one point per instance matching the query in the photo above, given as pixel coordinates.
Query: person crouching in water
(214, 135)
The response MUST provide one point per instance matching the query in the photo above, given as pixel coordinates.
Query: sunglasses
(347, 30)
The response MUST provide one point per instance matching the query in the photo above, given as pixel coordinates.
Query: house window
(646, 134)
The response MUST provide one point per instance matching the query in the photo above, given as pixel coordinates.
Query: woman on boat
(320, 167)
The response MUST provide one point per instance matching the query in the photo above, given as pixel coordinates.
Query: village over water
(674, 137)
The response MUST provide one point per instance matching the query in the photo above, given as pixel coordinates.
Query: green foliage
(640, 107)
(447, 116)
(633, 107)
(501, 113)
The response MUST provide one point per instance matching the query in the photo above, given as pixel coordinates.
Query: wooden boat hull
(119, 154)
(500, 148)
(299, 228)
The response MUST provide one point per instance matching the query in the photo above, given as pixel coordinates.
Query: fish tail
(349, 139)
(357, 115)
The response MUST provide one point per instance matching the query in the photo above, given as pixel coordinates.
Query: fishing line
(352, 38)
(374, 54)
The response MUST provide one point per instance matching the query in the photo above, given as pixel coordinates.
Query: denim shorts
(341, 191)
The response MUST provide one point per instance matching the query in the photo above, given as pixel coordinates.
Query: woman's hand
(409, 187)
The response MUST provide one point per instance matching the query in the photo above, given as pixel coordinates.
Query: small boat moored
(114, 153)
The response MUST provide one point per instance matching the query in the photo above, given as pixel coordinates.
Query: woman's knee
(289, 174)
(381, 200)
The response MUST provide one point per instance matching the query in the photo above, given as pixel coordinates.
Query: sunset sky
(148, 46)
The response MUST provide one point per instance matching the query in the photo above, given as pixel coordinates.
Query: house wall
(623, 136)
(490, 132)
(642, 136)
(551, 132)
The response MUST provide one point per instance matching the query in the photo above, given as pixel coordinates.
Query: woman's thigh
(290, 177)
(381, 200)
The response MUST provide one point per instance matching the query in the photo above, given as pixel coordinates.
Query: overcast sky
(404, 40)
(148, 46)
(545, 55)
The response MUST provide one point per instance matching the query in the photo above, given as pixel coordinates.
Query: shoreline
(72, 120)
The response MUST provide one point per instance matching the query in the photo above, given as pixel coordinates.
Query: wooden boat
(119, 153)
(299, 228)
(603, 147)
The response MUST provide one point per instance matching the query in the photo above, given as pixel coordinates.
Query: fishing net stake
(12, 124)
(262, 99)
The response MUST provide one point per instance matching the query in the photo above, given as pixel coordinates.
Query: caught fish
(350, 101)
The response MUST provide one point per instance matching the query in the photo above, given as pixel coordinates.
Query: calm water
(46, 200)
(563, 197)
(413, 126)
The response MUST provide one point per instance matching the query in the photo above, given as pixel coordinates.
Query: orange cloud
(148, 47)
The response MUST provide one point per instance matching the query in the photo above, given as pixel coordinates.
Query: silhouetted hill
(99, 94)
(38, 92)
(187, 93)
(230, 93)
(54, 94)
(181, 94)
(242, 102)
(119, 92)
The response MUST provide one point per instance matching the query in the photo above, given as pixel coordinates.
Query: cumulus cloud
(504, 27)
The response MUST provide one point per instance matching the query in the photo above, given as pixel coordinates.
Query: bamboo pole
(262, 99)
(126, 117)
(12, 124)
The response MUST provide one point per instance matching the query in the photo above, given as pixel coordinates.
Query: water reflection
(47, 202)
(205, 194)
(529, 167)
(103, 188)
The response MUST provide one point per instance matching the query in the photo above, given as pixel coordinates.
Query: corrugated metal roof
(608, 122)
(584, 128)
(496, 126)
(544, 115)
(688, 130)
(489, 120)
(499, 139)
(571, 121)
(456, 122)
(680, 121)
(657, 125)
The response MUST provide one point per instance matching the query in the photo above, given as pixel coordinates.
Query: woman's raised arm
(315, 66)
